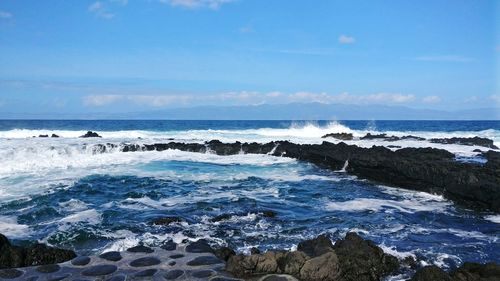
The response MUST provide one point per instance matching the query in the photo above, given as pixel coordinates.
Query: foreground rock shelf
(430, 170)
(351, 258)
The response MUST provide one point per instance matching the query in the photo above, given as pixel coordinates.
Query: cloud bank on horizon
(130, 55)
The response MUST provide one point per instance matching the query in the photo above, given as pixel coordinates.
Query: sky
(138, 55)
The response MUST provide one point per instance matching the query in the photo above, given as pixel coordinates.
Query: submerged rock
(90, 134)
(166, 220)
(37, 254)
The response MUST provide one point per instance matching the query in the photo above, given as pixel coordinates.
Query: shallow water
(62, 192)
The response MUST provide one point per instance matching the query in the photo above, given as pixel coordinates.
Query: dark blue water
(180, 125)
(60, 192)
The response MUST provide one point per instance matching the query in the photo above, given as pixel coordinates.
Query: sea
(64, 192)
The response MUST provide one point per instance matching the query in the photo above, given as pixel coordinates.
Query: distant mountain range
(292, 111)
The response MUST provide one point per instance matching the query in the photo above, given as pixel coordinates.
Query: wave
(377, 205)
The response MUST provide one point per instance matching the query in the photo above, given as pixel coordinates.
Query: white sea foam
(11, 228)
(493, 218)
(377, 205)
(90, 216)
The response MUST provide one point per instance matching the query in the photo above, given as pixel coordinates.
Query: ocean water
(63, 192)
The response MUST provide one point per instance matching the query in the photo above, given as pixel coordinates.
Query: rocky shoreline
(472, 185)
(351, 258)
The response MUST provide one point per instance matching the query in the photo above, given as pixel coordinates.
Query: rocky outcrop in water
(424, 169)
(37, 254)
(90, 134)
(467, 272)
(351, 258)
(390, 138)
(466, 141)
(339, 136)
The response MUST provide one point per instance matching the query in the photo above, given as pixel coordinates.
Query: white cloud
(431, 99)
(99, 10)
(101, 100)
(194, 4)
(5, 15)
(344, 39)
(160, 100)
(445, 58)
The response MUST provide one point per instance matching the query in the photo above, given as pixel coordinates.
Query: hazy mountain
(293, 111)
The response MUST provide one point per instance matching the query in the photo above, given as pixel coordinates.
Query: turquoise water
(60, 191)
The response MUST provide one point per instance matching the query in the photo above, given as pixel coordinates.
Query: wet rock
(475, 271)
(275, 278)
(173, 274)
(361, 259)
(323, 267)
(204, 260)
(221, 217)
(43, 136)
(111, 256)
(466, 141)
(477, 150)
(177, 256)
(267, 263)
(166, 220)
(224, 253)
(339, 136)
(254, 251)
(431, 273)
(316, 247)
(169, 246)
(54, 136)
(58, 278)
(37, 254)
(140, 249)
(80, 261)
(90, 134)
(145, 261)
(200, 246)
(98, 270)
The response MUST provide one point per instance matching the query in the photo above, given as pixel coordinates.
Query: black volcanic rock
(37, 254)
(166, 220)
(90, 134)
(466, 141)
(352, 258)
(339, 136)
(390, 138)
(424, 169)
(469, 271)
(43, 136)
(54, 136)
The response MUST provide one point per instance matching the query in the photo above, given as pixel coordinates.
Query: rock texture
(467, 272)
(37, 254)
(90, 134)
(339, 136)
(466, 141)
(351, 258)
(424, 169)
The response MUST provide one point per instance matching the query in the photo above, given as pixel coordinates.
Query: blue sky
(136, 55)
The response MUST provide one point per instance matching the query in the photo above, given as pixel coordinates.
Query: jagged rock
(90, 134)
(324, 267)
(339, 136)
(352, 259)
(43, 136)
(316, 247)
(221, 217)
(254, 251)
(431, 273)
(269, 214)
(37, 254)
(470, 271)
(54, 136)
(466, 141)
(224, 253)
(363, 260)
